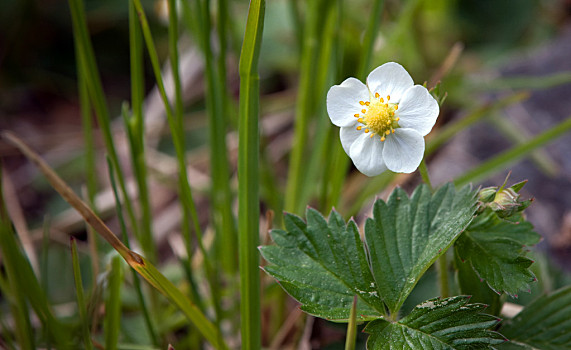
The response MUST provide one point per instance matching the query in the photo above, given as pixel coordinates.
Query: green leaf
(323, 264)
(543, 324)
(406, 236)
(470, 284)
(494, 249)
(437, 324)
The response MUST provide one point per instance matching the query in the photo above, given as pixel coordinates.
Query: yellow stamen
(360, 120)
(382, 138)
(366, 131)
(359, 127)
(361, 103)
(367, 103)
(388, 97)
(377, 95)
(382, 101)
(396, 107)
(388, 132)
(393, 131)
(397, 119)
(356, 115)
(373, 134)
(363, 111)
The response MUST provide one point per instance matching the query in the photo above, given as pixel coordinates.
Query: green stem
(352, 327)
(424, 173)
(248, 171)
(443, 276)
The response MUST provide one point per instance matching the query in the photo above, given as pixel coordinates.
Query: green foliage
(543, 324)
(323, 264)
(405, 236)
(437, 324)
(495, 249)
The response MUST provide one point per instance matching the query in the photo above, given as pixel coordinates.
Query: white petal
(366, 153)
(418, 110)
(348, 136)
(389, 79)
(343, 101)
(403, 150)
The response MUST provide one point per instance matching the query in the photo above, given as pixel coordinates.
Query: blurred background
(505, 65)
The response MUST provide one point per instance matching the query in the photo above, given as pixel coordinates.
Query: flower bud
(504, 201)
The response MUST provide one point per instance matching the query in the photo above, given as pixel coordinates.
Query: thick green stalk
(352, 327)
(248, 174)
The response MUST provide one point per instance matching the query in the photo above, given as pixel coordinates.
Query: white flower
(383, 123)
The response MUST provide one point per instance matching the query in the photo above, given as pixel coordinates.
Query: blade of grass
(517, 134)
(87, 126)
(211, 272)
(81, 308)
(526, 82)
(137, 262)
(11, 289)
(322, 76)
(177, 131)
(137, 284)
(304, 109)
(441, 136)
(248, 171)
(513, 155)
(88, 67)
(26, 289)
(220, 195)
(135, 126)
(337, 172)
(113, 304)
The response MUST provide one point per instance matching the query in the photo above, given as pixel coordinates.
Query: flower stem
(424, 173)
(443, 276)
(442, 262)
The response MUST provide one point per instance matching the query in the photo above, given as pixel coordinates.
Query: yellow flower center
(378, 116)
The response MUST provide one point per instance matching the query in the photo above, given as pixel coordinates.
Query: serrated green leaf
(470, 284)
(543, 324)
(323, 264)
(437, 324)
(494, 249)
(406, 236)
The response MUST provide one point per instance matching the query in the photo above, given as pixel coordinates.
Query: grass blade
(81, 308)
(248, 170)
(514, 154)
(113, 305)
(137, 262)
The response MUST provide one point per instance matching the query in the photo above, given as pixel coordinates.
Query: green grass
(250, 136)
